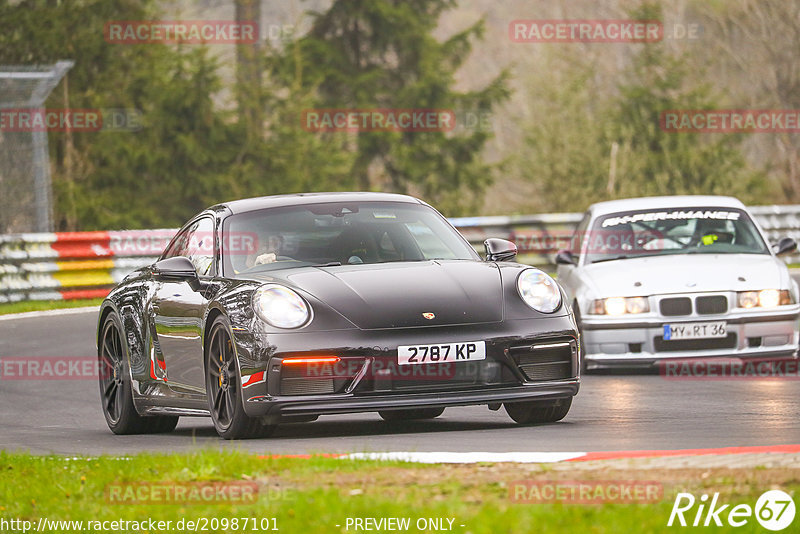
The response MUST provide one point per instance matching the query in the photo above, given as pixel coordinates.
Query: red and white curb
(540, 457)
(467, 457)
(618, 455)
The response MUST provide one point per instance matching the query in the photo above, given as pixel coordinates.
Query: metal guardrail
(538, 237)
(75, 265)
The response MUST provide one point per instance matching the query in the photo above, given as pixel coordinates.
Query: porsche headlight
(620, 306)
(766, 298)
(539, 291)
(280, 306)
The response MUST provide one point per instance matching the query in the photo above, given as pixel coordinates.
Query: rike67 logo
(774, 510)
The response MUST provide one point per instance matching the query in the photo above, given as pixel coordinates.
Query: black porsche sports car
(284, 308)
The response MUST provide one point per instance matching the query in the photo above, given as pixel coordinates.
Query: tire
(116, 394)
(411, 414)
(533, 412)
(223, 388)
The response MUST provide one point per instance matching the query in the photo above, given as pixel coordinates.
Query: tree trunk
(248, 71)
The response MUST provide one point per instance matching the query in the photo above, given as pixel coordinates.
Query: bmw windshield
(332, 234)
(656, 232)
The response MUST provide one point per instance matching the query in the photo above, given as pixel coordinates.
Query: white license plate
(674, 332)
(441, 353)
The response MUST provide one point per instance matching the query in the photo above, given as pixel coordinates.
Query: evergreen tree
(589, 147)
(369, 54)
(655, 162)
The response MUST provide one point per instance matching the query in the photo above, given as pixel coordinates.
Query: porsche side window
(196, 242)
(177, 246)
(200, 246)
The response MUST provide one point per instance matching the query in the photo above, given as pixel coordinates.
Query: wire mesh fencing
(25, 187)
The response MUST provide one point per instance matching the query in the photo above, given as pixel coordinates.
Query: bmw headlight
(539, 291)
(620, 306)
(280, 306)
(766, 298)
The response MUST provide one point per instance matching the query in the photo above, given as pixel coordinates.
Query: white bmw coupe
(662, 278)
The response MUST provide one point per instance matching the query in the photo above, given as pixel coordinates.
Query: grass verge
(40, 305)
(320, 494)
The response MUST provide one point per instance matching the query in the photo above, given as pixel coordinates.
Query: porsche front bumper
(525, 360)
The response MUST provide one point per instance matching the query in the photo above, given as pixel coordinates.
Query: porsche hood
(413, 294)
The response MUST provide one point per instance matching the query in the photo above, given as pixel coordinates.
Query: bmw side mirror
(177, 268)
(786, 245)
(499, 249)
(565, 257)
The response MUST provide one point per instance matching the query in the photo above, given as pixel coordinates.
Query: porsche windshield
(333, 234)
(655, 232)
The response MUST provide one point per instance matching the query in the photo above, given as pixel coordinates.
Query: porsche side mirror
(565, 257)
(499, 249)
(786, 245)
(177, 268)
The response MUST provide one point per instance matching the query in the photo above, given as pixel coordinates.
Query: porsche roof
(678, 201)
(250, 204)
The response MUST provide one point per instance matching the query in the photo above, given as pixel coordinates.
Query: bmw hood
(396, 295)
(686, 273)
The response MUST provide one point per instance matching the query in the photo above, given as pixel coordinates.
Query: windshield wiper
(612, 258)
(329, 264)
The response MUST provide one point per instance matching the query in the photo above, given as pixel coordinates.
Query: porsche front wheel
(532, 412)
(223, 388)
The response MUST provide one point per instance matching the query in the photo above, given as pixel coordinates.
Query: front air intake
(307, 386)
(546, 360)
(310, 378)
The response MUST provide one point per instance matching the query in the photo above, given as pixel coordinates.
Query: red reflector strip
(304, 361)
(255, 378)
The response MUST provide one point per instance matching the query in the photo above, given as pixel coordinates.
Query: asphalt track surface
(612, 412)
